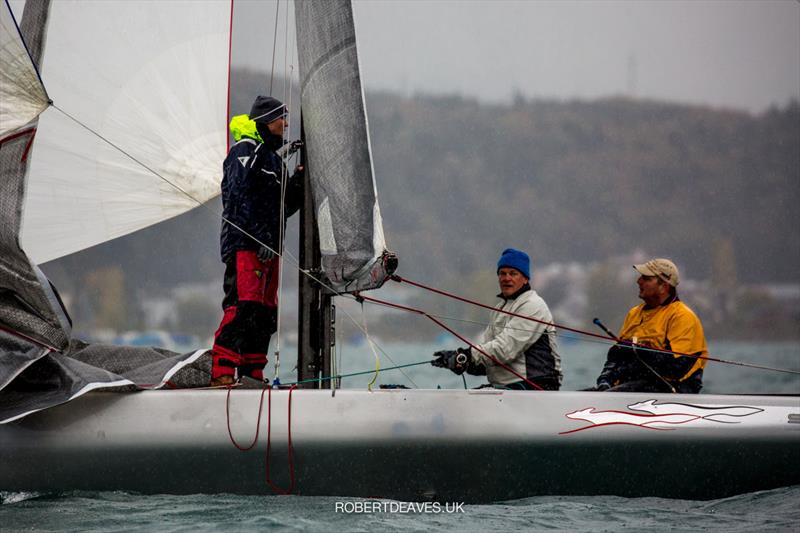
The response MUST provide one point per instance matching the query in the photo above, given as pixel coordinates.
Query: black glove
(454, 360)
(264, 254)
(289, 148)
(295, 146)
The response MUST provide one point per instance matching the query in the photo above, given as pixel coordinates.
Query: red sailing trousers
(250, 315)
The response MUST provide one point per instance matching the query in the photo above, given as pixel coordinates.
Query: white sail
(22, 96)
(151, 78)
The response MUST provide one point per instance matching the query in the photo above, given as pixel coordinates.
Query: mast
(315, 314)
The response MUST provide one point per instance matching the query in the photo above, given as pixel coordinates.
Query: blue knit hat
(515, 259)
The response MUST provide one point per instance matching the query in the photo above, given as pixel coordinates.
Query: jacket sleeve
(516, 337)
(618, 361)
(685, 334)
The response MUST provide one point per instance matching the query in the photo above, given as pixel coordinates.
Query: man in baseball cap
(661, 346)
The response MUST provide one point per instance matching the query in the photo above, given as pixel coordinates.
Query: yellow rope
(371, 347)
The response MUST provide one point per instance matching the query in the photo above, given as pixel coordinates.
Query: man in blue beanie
(254, 219)
(527, 347)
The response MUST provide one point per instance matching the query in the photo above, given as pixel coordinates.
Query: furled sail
(337, 143)
(129, 72)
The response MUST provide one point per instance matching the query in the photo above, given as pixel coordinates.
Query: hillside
(581, 181)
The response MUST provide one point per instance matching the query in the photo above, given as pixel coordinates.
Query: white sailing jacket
(526, 346)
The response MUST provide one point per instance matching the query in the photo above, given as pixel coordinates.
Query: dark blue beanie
(266, 109)
(515, 259)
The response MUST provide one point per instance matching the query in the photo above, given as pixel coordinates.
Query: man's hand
(454, 360)
(295, 146)
(264, 254)
(600, 387)
(289, 148)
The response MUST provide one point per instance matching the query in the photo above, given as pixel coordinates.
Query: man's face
(652, 289)
(277, 126)
(511, 280)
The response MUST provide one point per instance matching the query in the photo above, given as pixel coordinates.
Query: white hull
(449, 445)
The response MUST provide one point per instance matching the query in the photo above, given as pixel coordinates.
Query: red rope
(275, 488)
(588, 333)
(473, 302)
(228, 420)
(455, 334)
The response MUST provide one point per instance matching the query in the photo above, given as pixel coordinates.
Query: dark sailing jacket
(251, 195)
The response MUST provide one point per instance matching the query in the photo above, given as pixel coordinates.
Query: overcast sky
(742, 54)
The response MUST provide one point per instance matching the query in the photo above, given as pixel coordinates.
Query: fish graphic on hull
(652, 414)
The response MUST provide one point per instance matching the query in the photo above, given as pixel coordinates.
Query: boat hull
(445, 445)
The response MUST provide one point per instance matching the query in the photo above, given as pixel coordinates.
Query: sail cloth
(151, 78)
(22, 95)
(338, 150)
(32, 379)
(25, 296)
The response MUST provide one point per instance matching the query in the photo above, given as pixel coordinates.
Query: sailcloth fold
(338, 148)
(22, 95)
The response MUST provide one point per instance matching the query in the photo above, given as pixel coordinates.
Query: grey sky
(741, 54)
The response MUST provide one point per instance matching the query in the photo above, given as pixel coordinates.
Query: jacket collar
(522, 290)
(273, 142)
(669, 300)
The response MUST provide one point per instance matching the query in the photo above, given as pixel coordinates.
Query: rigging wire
(288, 69)
(362, 373)
(274, 44)
(458, 336)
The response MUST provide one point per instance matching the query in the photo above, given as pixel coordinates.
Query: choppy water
(775, 510)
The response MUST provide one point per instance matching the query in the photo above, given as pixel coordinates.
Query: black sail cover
(338, 149)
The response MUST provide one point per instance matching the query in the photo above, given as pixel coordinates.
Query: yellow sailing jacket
(672, 327)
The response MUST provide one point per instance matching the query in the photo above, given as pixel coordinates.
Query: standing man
(527, 347)
(665, 324)
(254, 219)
